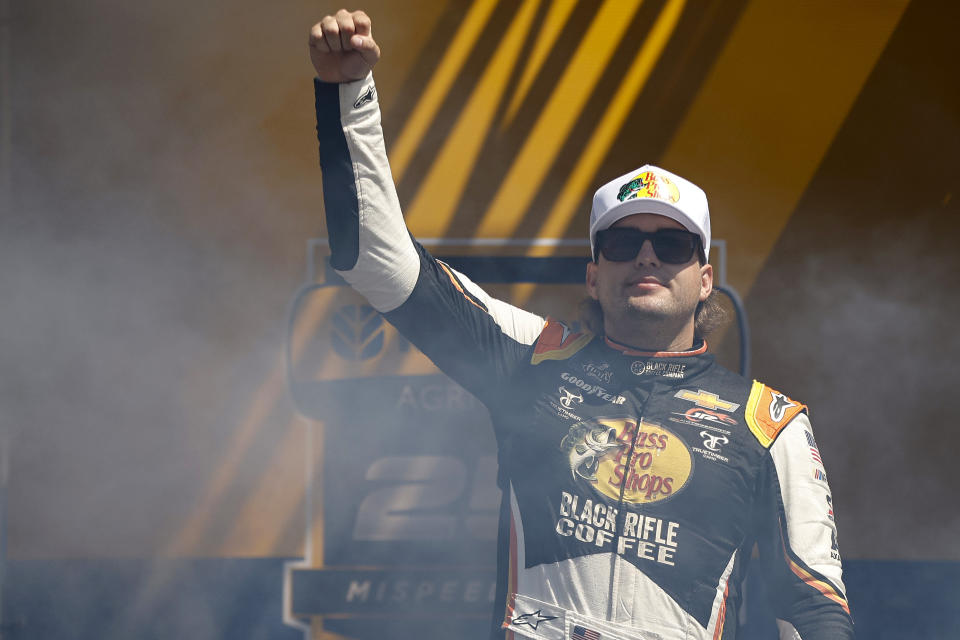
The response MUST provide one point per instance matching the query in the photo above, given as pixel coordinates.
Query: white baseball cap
(651, 189)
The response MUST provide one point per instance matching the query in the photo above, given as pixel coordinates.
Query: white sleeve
(371, 247)
(807, 502)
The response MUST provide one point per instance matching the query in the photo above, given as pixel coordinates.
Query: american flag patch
(582, 633)
(814, 451)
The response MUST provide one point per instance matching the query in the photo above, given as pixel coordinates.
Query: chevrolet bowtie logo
(707, 400)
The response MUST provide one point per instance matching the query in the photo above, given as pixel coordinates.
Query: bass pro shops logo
(585, 446)
(649, 185)
(644, 462)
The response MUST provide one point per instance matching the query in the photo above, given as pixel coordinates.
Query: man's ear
(592, 280)
(706, 281)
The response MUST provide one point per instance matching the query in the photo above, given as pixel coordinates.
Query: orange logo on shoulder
(555, 335)
(772, 411)
(558, 342)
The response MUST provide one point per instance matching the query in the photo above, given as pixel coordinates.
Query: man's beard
(657, 321)
(667, 313)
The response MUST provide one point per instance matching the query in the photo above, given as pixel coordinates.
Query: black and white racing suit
(635, 485)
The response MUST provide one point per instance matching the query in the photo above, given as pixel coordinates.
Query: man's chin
(646, 309)
(645, 302)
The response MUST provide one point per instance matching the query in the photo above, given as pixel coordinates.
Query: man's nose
(647, 255)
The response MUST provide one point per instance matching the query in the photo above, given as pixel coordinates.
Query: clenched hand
(342, 47)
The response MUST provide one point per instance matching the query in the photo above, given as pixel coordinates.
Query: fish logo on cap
(649, 185)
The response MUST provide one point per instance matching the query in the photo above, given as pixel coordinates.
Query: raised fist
(342, 47)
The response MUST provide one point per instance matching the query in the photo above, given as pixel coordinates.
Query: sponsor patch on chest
(637, 461)
(592, 389)
(665, 369)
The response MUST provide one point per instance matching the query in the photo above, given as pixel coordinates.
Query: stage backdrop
(159, 182)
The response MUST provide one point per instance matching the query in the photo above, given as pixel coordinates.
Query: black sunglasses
(673, 246)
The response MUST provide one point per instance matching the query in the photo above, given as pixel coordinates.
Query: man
(637, 474)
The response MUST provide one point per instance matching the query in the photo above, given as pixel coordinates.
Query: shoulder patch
(768, 411)
(558, 342)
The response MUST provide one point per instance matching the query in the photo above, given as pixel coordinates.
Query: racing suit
(635, 485)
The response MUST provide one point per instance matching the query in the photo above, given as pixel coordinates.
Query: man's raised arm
(468, 334)
(369, 243)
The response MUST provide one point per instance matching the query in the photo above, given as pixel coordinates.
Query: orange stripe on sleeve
(823, 587)
(722, 616)
(511, 579)
(819, 585)
(456, 283)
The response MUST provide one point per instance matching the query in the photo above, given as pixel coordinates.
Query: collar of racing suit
(699, 348)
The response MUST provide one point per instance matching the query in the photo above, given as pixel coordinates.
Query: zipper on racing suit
(622, 513)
